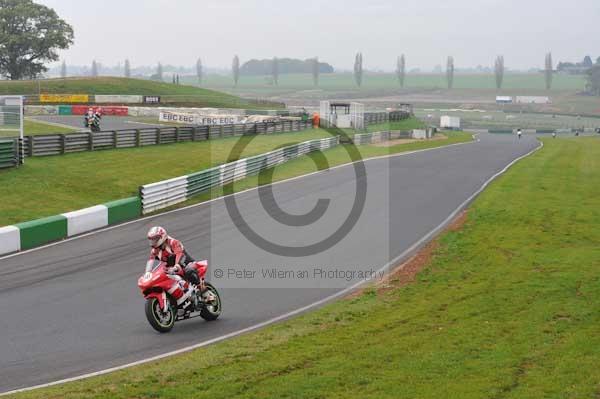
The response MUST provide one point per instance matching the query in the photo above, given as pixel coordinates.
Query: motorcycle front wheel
(212, 309)
(161, 321)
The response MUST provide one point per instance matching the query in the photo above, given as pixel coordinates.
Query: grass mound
(171, 93)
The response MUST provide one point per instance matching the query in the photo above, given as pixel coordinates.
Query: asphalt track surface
(74, 308)
(107, 123)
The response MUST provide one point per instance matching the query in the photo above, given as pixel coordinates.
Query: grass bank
(35, 127)
(506, 307)
(46, 186)
(170, 93)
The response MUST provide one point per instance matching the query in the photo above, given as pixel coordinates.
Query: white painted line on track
(390, 265)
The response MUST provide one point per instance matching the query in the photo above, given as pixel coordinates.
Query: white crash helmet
(157, 236)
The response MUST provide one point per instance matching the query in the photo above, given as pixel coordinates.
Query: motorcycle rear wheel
(162, 322)
(211, 310)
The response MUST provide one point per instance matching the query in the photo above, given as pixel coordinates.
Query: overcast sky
(427, 31)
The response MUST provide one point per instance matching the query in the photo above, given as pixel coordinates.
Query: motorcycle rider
(91, 114)
(163, 246)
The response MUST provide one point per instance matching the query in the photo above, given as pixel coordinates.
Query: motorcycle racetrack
(74, 308)
(108, 122)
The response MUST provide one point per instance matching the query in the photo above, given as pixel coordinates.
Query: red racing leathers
(173, 247)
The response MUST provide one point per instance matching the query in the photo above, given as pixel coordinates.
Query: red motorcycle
(170, 298)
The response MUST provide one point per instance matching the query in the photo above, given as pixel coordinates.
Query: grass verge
(506, 307)
(46, 186)
(35, 127)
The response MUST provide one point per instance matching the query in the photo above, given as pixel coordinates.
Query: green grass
(35, 127)
(45, 186)
(406, 124)
(176, 94)
(506, 308)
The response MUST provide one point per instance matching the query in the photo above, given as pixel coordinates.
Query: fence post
(221, 131)
(157, 135)
(194, 133)
(30, 138)
(20, 143)
(63, 142)
(177, 134)
(116, 139)
(138, 138)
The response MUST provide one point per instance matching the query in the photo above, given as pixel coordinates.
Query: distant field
(345, 81)
(181, 94)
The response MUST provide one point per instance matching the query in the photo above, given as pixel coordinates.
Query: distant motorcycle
(92, 122)
(170, 298)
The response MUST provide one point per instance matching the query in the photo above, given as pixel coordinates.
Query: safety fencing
(166, 193)
(374, 118)
(31, 234)
(379, 137)
(56, 144)
(9, 153)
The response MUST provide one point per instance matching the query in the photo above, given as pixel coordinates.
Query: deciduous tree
(30, 35)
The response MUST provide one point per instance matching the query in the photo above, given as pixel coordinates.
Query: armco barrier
(43, 231)
(166, 193)
(378, 137)
(9, 153)
(57, 144)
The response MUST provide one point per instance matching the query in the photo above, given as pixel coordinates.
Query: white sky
(427, 31)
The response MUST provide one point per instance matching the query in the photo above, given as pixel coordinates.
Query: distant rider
(95, 115)
(163, 247)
